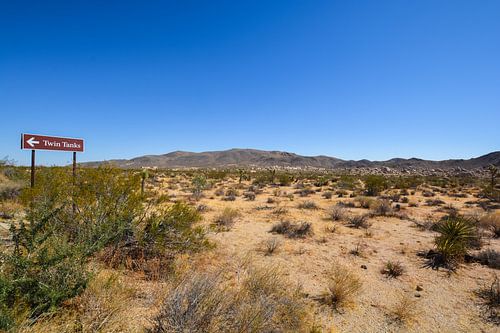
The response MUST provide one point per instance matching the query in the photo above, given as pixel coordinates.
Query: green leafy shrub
(67, 222)
(374, 184)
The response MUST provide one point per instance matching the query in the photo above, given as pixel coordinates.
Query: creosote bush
(65, 225)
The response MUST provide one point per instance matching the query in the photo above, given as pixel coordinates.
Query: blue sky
(350, 79)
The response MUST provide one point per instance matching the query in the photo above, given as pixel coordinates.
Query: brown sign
(43, 142)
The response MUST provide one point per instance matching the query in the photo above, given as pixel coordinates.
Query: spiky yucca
(455, 235)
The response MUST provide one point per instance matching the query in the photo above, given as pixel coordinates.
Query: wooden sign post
(55, 143)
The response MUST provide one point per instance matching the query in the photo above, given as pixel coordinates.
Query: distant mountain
(265, 159)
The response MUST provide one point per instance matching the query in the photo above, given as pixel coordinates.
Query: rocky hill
(266, 159)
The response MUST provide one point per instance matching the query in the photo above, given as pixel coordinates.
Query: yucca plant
(453, 242)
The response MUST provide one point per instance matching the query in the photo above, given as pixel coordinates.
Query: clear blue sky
(350, 79)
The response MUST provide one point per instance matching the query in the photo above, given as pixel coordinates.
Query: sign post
(55, 143)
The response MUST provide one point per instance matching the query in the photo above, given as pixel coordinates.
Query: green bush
(67, 222)
(375, 184)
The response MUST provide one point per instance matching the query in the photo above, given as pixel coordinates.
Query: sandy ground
(445, 303)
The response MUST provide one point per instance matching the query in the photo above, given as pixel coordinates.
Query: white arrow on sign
(32, 142)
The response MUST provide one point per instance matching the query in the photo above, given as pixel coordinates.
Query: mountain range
(234, 158)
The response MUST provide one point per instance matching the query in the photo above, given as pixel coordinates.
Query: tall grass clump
(261, 300)
(342, 287)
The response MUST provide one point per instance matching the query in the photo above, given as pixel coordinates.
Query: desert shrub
(490, 258)
(271, 245)
(342, 287)
(359, 221)
(337, 213)
(392, 269)
(230, 197)
(65, 225)
(405, 200)
(249, 196)
(292, 230)
(364, 202)
(280, 211)
(428, 194)
(341, 193)
(434, 202)
(9, 209)
(305, 192)
(358, 250)
(232, 192)
(327, 194)
(263, 300)
(156, 240)
(219, 192)
(381, 207)
(490, 299)
(307, 205)
(227, 218)
(349, 204)
(491, 222)
(271, 200)
(47, 263)
(9, 189)
(284, 179)
(199, 184)
(374, 184)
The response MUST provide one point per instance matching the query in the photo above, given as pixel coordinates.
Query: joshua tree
(272, 175)
(144, 176)
(241, 173)
(493, 174)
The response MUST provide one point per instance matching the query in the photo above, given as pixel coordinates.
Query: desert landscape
(249, 166)
(249, 250)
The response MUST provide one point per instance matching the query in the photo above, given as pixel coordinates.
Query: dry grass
(227, 218)
(262, 300)
(490, 300)
(309, 204)
(342, 287)
(491, 222)
(403, 310)
(337, 213)
(101, 308)
(359, 221)
(270, 246)
(292, 230)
